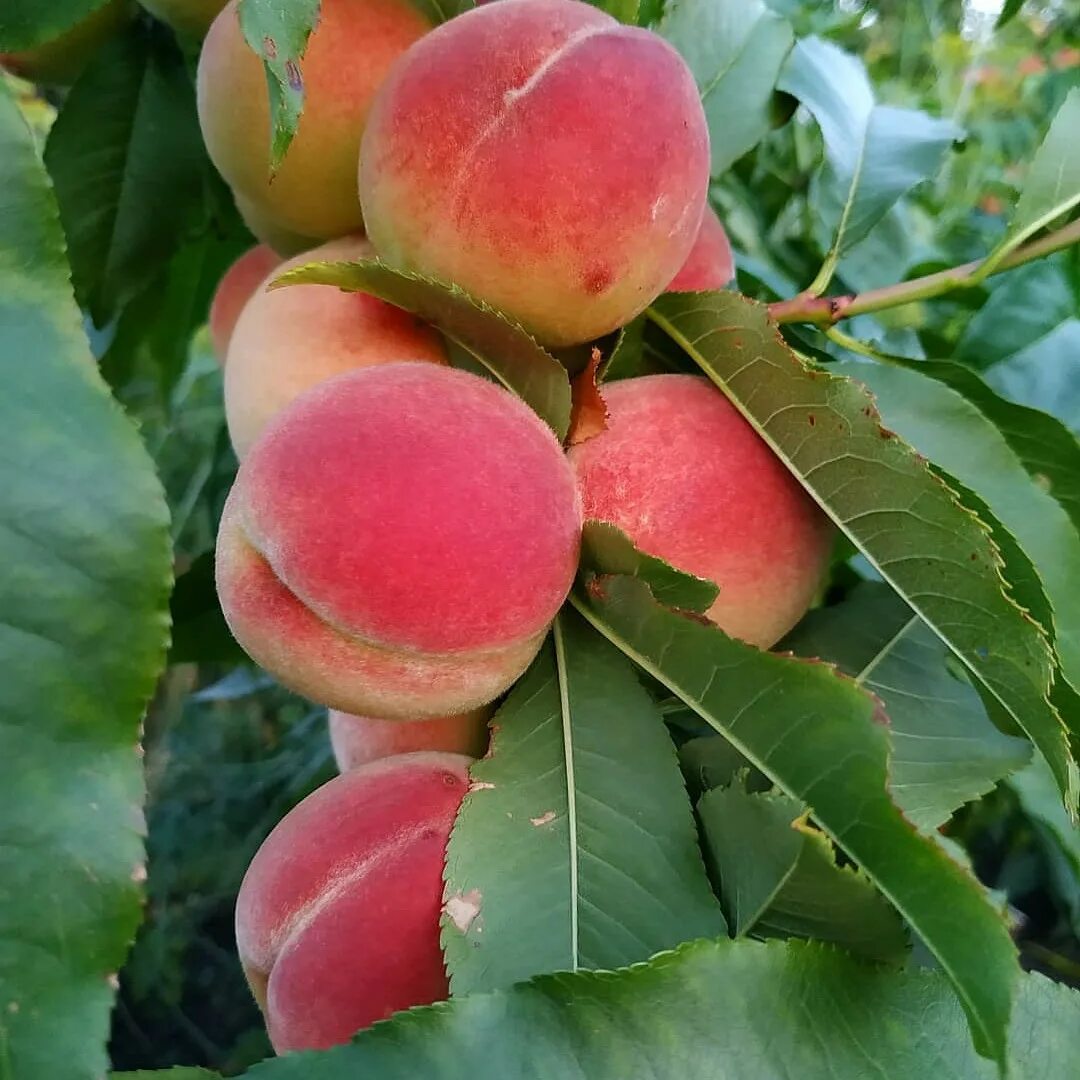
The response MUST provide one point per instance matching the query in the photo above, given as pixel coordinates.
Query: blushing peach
(398, 541)
(544, 157)
(357, 740)
(313, 193)
(337, 919)
(691, 482)
(289, 339)
(710, 264)
(237, 286)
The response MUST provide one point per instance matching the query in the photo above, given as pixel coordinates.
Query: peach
(61, 61)
(289, 339)
(263, 228)
(356, 740)
(544, 157)
(710, 264)
(690, 481)
(190, 17)
(398, 541)
(236, 287)
(314, 191)
(337, 919)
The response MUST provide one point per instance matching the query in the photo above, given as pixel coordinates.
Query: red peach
(546, 158)
(289, 339)
(313, 193)
(236, 287)
(356, 740)
(690, 481)
(337, 919)
(398, 541)
(710, 264)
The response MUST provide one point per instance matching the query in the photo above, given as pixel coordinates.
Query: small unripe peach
(236, 287)
(710, 264)
(337, 919)
(289, 339)
(543, 156)
(398, 541)
(689, 480)
(190, 17)
(356, 740)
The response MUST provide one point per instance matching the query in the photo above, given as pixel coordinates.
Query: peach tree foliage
(726, 836)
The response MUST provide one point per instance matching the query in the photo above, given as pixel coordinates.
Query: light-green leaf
(85, 549)
(576, 846)
(500, 345)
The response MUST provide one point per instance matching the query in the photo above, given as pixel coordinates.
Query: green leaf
(440, 11)
(735, 49)
(779, 878)
(816, 735)
(500, 345)
(608, 546)
(200, 633)
(126, 157)
(85, 549)
(576, 846)
(277, 32)
(906, 522)
(1010, 9)
(944, 751)
(167, 1074)
(1034, 787)
(874, 153)
(1044, 375)
(27, 23)
(723, 1010)
(1052, 185)
(626, 356)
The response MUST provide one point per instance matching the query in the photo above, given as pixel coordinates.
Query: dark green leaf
(576, 847)
(626, 357)
(503, 347)
(1010, 9)
(200, 633)
(26, 23)
(85, 548)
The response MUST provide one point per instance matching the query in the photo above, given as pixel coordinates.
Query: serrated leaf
(603, 544)
(710, 761)
(874, 153)
(23, 25)
(944, 751)
(888, 502)
(85, 548)
(576, 846)
(724, 1010)
(277, 31)
(814, 733)
(778, 877)
(1052, 184)
(735, 49)
(504, 348)
(127, 160)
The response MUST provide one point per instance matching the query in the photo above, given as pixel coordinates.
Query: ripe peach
(263, 228)
(691, 482)
(314, 191)
(287, 340)
(356, 740)
(190, 17)
(710, 264)
(61, 61)
(544, 157)
(398, 541)
(337, 919)
(236, 287)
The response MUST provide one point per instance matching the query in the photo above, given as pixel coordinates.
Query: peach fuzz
(313, 192)
(357, 740)
(710, 264)
(543, 156)
(398, 541)
(337, 919)
(236, 287)
(690, 481)
(291, 338)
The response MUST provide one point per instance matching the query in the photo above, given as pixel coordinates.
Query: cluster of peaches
(402, 533)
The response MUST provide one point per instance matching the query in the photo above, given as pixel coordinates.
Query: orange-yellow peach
(190, 17)
(289, 339)
(357, 740)
(398, 541)
(337, 920)
(263, 228)
(690, 481)
(710, 264)
(61, 61)
(546, 158)
(236, 287)
(314, 191)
